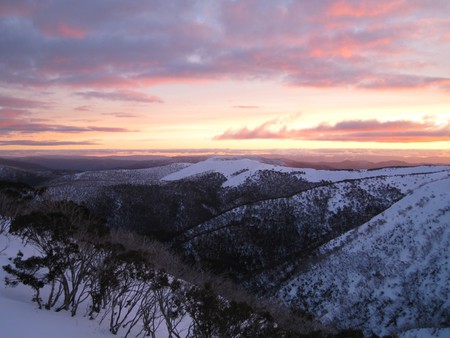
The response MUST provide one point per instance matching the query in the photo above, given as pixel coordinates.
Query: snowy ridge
(237, 171)
(315, 175)
(389, 274)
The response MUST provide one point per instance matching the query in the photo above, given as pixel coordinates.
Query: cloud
(62, 30)
(125, 95)
(363, 8)
(83, 108)
(18, 122)
(260, 132)
(246, 107)
(11, 115)
(104, 45)
(108, 129)
(45, 143)
(16, 102)
(400, 131)
(121, 115)
(17, 8)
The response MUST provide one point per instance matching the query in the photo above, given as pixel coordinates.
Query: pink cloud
(121, 115)
(16, 102)
(83, 108)
(402, 131)
(11, 115)
(62, 30)
(19, 122)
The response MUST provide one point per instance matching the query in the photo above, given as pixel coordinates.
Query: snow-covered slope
(258, 235)
(388, 275)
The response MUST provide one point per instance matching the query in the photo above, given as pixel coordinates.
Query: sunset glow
(173, 75)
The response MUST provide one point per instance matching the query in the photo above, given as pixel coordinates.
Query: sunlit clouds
(400, 131)
(224, 74)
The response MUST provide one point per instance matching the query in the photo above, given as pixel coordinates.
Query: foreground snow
(20, 317)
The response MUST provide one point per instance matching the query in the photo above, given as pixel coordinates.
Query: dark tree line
(164, 211)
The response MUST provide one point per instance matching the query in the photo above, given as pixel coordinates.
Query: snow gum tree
(26, 272)
(61, 235)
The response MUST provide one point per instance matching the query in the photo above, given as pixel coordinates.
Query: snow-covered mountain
(260, 235)
(388, 271)
(237, 171)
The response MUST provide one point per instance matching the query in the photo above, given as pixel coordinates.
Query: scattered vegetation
(77, 260)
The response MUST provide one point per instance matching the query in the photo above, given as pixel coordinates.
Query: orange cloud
(401, 131)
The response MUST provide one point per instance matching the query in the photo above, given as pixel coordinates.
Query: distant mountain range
(88, 163)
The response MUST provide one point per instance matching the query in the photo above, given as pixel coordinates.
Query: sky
(112, 76)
